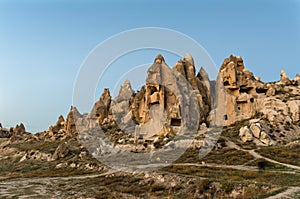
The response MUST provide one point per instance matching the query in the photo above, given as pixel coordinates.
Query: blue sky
(44, 43)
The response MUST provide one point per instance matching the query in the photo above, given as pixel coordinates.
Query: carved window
(225, 117)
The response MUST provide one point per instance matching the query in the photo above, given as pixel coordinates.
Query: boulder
(255, 129)
(264, 138)
(245, 134)
(61, 151)
(294, 108)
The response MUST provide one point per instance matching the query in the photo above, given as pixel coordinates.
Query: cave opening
(175, 122)
(225, 117)
(226, 83)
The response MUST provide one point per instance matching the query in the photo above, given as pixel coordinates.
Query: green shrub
(227, 186)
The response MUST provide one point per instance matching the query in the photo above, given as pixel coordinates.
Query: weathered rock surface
(58, 127)
(101, 107)
(70, 124)
(4, 133)
(120, 106)
(168, 88)
(245, 96)
(284, 78)
(256, 134)
(238, 88)
(256, 130)
(156, 110)
(151, 120)
(179, 97)
(18, 133)
(61, 151)
(245, 134)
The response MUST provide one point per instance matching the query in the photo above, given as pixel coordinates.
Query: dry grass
(289, 155)
(228, 156)
(232, 175)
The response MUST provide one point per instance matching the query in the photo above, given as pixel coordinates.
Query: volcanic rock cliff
(179, 98)
(212, 137)
(175, 98)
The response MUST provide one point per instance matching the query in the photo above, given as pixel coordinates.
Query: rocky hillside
(248, 130)
(177, 96)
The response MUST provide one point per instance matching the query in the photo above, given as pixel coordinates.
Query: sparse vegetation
(228, 156)
(232, 175)
(43, 146)
(289, 154)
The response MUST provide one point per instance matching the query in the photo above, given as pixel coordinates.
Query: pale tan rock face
(264, 138)
(179, 96)
(120, 106)
(238, 87)
(19, 129)
(61, 151)
(297, 79)
(255, 129)
(255, 134)
(189, 58)
(200, 83)
(241, 92)
(170, 89)
(101, 107)
(294, 108)
(284, 78)
(245, 134)
(59, 126)
(70, 123)
(245, 96)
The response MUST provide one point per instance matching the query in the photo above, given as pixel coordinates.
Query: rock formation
(101, 107)
(120, 106)
(17, 133)
(180, 98)
(64, 128)
(61, 151)
(58, 127)
(4, 133)
(246, 96)
(256, 134)
(239, 89)
(284, 78)
(70, 124)
(165, 94)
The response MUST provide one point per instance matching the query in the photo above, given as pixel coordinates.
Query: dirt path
(257, 155)
(41, 179)
(42, 187)
(56, 186)
(237, 167)
(289, 193)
